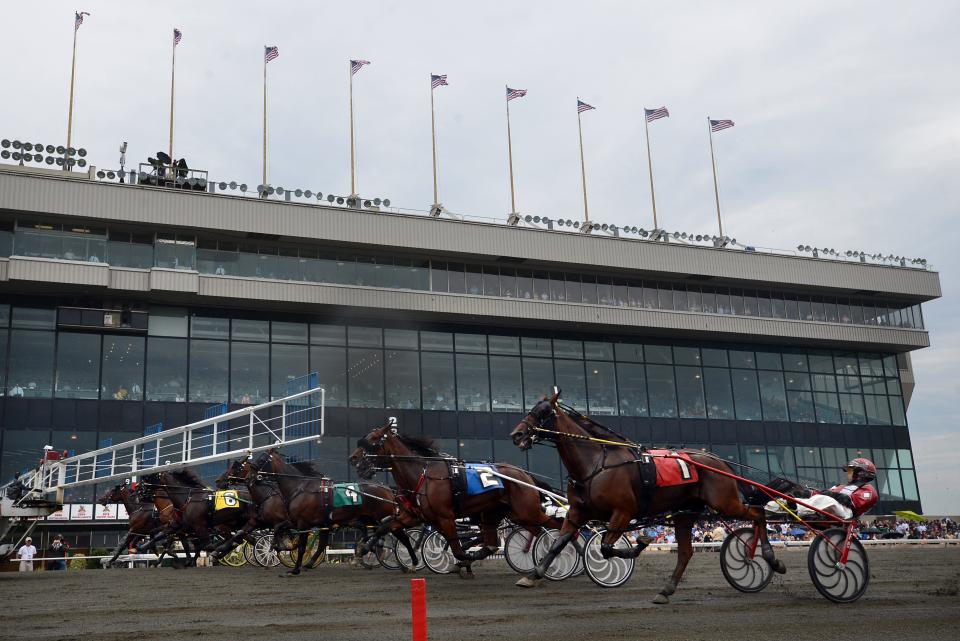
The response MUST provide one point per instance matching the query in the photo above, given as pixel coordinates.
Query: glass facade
(316, 265)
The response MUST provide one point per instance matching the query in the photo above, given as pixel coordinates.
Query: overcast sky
(847, 120)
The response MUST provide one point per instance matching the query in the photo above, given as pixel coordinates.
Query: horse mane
(307, 468)
(188, 477)
(593, 427)
(421, 445)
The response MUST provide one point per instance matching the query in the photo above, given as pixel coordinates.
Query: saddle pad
(673, 468)
(225, 500)
(480, 480)
(347, 495)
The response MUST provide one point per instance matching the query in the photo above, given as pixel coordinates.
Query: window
(504, 345)
(690, 392)
(473, 383)
(208, 371)
(659, 354)
(402, 370)
(589, 290)
(78, 365)
(209, 327)
(288, 362)
(769, 360)
(438, 341)
(524, 284)
(167, 369)
(31, 364)
(746, 394)
(327, 335)
(602, 351)
(632, 387)
(438, 276)
(4, 334)
(175, 251)
(471, 343)
(365, 369)
(249, 365)
(508, 283)
(491, 281)
(772, 396)
(364, 337)
(437, 381)
(567, 349)
(33, 318)
(557, 287)
(570, 378)
(455, 278)
(719, 392)
(741, 358)
(629, 352)
(330, 363)
(168, 321)
(537, 379)
(536, 346)
(123, 368)
(250, 330)
(289, 332)
(506, 383)
(663, 395)
(878, 411)
(474, 280)
(686, 355)
(601, 388)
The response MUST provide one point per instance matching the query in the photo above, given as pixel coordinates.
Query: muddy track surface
(913, 595)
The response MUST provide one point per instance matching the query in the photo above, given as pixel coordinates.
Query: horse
(310, 504)
(142, 517)
(425, 474)
(150, 489)
(605, 484)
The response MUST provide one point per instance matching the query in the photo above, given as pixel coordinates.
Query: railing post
(113, 462)
(250, 443)
(283, 422)
(215, 438)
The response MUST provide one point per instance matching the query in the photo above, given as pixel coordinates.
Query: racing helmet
(863, 469)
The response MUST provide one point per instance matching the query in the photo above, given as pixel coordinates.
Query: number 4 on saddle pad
(480, 479)
(347, 495)
(673, 468)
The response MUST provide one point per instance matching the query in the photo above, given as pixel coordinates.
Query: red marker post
(418, 605)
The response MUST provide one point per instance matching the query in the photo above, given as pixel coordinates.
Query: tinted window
(167, 369)
(402, 370)
(78, 366)
(249, 365)
(122, 373)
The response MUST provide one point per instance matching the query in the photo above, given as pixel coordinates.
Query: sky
(847, 132)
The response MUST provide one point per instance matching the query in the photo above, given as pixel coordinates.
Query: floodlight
(528, 218)
(243, 187)
(232, 185)
(351, 202)
(222, 186)
(81, 162)
(101, 174)
(536, 219)
(111, 175)
(340, 200)
(81, 152)
(279, 191)
(271, 191)
(50, 149)
(676, 234)
(17, 144)
(367, 203)
(331, 198)
(261, 189)
(16, 155)
(61, 149)
(377, 201)
(308, 193)
(27, 146)
(5, 143)
(298, 193)
(576, 224)
(614, 228)
(49, 160)
(561, 222)
(604, 227)
(386, 202)
(73, 152)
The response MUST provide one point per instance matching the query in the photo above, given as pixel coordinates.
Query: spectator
(58, 553)
(26, 554)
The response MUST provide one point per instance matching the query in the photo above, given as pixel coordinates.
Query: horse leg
(756, 515)
(373, 542)
(120, 548)
(683, 529)
(448, 528)
(322, 540)
(615, 529)
(567, 532)
(301, 550)
(401, 535)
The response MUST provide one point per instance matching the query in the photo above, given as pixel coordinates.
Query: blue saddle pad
(479, 479)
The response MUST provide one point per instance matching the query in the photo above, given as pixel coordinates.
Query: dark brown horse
(149, 489)
(425, 475)
(267, 508)
(605, 485)
(143, 520)
(310, 504)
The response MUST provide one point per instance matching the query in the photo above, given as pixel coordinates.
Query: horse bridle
(543, 429)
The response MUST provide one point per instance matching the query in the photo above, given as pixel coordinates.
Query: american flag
(357, 65)
(438, 81)
(176, 37)
(720, 125)
(78, 20)
(270, 53)
(515, 93)
(656, 114)
(582, 106)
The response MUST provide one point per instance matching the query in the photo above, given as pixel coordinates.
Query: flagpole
(73, 74)
(513, 199)
(173, 73)
(264, 125)
(716, 189)
(653, 197)
(353, 178)
(583, 169)
(433, 131)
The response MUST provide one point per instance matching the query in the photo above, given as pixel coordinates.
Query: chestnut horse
(605, 485)
(309, 498)
(142, 517)
(424, 474)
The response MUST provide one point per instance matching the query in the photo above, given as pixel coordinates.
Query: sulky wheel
(248, 549)
(263, 552)
(388, 554)
(234, 558)
(838, 584)
(403, 556)
(744, 572)
(607, 573)
(437, 555)
(518, 551)
(566, 562)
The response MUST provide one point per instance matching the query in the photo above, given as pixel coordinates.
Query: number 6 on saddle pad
(347, 495)
(225, 500)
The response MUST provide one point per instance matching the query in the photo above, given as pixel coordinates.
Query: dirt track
(913, 595)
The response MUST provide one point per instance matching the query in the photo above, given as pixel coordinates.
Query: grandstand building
(125, 306)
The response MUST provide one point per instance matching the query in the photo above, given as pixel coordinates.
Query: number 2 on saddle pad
(480, 478)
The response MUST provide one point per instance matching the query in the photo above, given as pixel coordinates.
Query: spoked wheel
(437, 555)
(744, 572)
(607, 573)
(518, 551)
(368, 560)
(839, 584)
(235, 557)
(263, 552)
(566, 562)
(403, 556)
(289, 557)
(388, 555)
(248, 549)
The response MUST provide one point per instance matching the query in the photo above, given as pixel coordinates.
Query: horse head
(233, 474)
(115, 494)
(370, 448)
(541, 417)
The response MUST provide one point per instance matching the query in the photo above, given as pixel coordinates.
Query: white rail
(300, 419)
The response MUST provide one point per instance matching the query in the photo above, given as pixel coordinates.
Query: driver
(845, 500)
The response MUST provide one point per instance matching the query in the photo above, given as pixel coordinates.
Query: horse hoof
(779, 567)
(526, 582)
(661, 599)
(289, 575)
(466, 573)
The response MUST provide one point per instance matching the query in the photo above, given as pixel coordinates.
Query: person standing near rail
(26, 554)
(58, 553)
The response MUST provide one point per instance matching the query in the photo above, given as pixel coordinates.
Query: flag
(655, 114)
(438, 81)
(582, 106)
(176, 37)
(357, 65)
(78, 20)
(720, 125)
(270, 53)
(515, 93)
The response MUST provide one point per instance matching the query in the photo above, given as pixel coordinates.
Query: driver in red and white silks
(846, 500)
